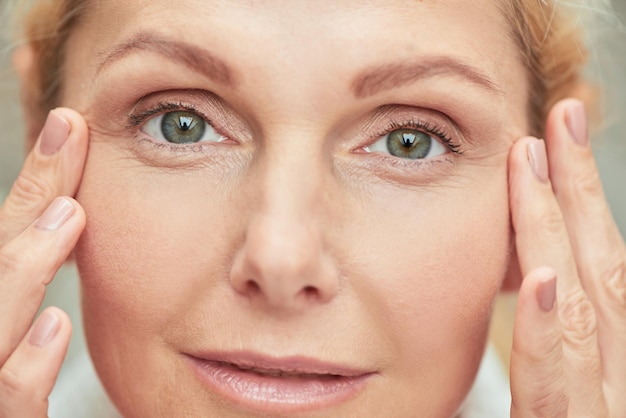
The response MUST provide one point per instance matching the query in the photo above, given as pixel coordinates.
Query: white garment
(79, 394)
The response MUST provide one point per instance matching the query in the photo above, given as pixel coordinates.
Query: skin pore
(291, 232)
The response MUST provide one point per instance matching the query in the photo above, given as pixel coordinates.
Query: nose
(283, 263)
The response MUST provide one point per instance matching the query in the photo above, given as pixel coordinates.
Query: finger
(542, 239)
(538, 386)
(53, 168)
(29, 262)
(28, 376)
(595, 239)
(540, 233)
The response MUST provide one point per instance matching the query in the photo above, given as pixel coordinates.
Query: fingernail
(54, 134)
(56, 215)
(576, 121)
(546, 294)
(538, 159)
(45, 329)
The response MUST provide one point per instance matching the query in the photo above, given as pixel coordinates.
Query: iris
(409, 143)
(182, 127)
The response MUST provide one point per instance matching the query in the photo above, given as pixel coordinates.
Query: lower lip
(277, 394)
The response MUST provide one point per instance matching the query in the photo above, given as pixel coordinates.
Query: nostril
(252, 287)
(311, 292)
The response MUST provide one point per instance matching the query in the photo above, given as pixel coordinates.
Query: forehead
(307, 45)
(361, 30)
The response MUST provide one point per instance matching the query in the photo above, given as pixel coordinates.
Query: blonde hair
(551, 42)
(547, 32)
(46, 26)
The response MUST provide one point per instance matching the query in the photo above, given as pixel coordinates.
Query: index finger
(53, 168)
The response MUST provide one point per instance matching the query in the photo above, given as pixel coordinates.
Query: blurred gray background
(609, 59)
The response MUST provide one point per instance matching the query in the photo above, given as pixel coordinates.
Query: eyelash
(137, 119)
(425, 127)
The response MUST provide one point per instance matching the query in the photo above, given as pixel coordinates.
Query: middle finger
(596, 241)
(542, 240)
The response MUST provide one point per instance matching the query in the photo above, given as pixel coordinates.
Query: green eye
(182, 127)
(409, 143)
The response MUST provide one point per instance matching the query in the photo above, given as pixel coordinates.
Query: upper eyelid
(384, 117)
(206, 104)
(138, 118)
(452, 144)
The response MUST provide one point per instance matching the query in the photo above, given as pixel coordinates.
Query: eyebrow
(198, 59)
(386, 77)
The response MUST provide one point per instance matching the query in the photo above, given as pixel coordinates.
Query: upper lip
(291, 365)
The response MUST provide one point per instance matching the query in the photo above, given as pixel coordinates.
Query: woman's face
(332, 243)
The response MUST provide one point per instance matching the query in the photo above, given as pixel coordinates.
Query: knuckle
(587, 184)
(12, 261)
(14, 387)
(583, 186)
(614, 282)
(551, 221)
(537, 350)
(548, 404)
(579, 323)
(554, 404)
(29, 187)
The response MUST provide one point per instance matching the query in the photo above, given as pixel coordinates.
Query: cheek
(433, 264)
(155, 242)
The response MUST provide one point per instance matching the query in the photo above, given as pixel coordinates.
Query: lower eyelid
(405, 172)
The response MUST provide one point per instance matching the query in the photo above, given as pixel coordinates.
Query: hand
(569, 357)
(34, 243)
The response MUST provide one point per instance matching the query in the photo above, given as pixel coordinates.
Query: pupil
(186, 123)
(408, 140)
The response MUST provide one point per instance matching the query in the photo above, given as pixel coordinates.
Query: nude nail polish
(538, 158)
(54, 134)
(56, 215)
(546, 294)
(576, 121)
(45, 329)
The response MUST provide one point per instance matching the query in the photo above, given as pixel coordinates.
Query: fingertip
(545, 288)
(537, 378)
(79, 215)
(48, 326)
(519, 151)
(567, 125)
(537, 299)
(74, 119)
(29, 374)
(74, 152)
(61, 315)
(53, 168)
(65, 131)
(50, 336)
(543, 276)
(527, 164)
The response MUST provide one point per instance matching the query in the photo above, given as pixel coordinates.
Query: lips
(273, 372)
(267, 384)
